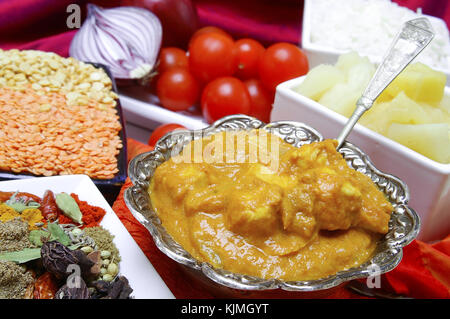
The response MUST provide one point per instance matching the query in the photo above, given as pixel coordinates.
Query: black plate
(109, 187)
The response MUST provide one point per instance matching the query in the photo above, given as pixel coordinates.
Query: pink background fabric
(41, 24)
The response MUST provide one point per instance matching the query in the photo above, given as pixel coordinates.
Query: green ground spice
(14, 280)
(104, 240)
(14, 235)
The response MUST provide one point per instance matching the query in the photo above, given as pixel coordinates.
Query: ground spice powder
(14, 280)
(7, 213)
(14, 235)
(92, 215)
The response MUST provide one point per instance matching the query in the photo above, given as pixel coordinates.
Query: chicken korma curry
(310, 217)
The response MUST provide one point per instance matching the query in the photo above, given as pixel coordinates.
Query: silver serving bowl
(403, 225)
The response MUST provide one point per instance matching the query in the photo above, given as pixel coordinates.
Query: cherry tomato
(212, 55)
(261, 100)
(162, 130)
(249, 54)
(209, 29)
(177, 89)
(170, 57)
(224, 96)
(281, 62)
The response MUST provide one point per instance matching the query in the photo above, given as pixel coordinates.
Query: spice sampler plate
(134, 265)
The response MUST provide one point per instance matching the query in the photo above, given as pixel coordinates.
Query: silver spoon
(410, 41)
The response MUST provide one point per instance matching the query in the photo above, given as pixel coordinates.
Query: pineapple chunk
(431, 140)
(360, 74)
(401, 109)
(445, 105)
(404, 110)
(436, 114)
(346, 61)
(320, 79)
(341, 99)
(420, 83)
(375, 118)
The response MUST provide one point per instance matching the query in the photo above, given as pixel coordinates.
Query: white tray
(141, 108)
(134, 265)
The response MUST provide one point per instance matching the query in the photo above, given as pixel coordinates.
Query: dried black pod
(57, 258)
(120, 289)
(117, 289)
(79, 291)
(101, 286)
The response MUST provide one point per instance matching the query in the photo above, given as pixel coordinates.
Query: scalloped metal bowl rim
(245, 282)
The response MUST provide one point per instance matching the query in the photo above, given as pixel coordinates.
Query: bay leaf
(69, 207)
(21, 256)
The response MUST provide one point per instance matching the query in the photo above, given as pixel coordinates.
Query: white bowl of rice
(331, 28)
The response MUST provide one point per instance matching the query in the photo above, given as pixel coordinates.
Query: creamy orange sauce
(307, 217)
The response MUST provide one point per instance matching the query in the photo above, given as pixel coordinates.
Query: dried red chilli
(48, 208)
(26, 197)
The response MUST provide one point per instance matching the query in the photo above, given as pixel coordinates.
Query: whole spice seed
(104, 241)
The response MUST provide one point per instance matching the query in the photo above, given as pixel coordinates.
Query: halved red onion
(126, 39)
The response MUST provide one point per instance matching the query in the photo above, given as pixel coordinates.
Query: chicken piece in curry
(307, 217)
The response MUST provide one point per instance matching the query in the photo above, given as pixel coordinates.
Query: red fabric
(25, 21)
(422, 273)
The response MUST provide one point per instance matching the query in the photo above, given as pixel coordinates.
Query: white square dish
(428, 181)
(135, 266)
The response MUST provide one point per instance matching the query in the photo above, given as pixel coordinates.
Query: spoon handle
(410, 41)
